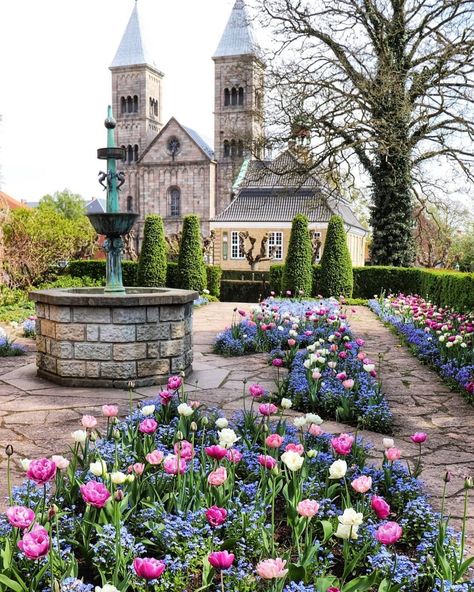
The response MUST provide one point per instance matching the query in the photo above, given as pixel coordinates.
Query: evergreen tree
(336, 264)
(191, 267)
(298, 271)
(152, 262)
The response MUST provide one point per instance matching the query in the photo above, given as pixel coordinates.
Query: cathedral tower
(238, 111)
(136, 101)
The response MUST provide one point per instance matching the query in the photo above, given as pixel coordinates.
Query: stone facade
(92, 339)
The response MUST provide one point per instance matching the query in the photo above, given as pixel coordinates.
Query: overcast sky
(55, 84)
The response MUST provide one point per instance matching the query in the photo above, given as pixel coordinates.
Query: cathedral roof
(200, 142)
(132, 50)
(238, 37)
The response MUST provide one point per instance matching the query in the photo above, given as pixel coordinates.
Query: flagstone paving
(37, 417)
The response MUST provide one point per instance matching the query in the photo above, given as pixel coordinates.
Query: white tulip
(61, 462)
(25, 463)
(147, 410)
(292, 460)
(313, 418)
(185, 410)
(388, 443)
(79, 436)
(221, 422)
(98, 468)
(286, 404)
(299, 422)
(117, 477)
(227, 438)
(338, 469)
(106, 588)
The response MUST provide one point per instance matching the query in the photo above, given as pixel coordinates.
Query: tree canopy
(70, 205)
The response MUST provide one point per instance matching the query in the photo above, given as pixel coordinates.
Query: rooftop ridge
(238, 37)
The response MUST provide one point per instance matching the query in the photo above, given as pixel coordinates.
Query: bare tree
(264, 253)
(385, 83)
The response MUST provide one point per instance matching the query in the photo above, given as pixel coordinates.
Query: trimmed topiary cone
(152, 263)
(336, 264)
(191, 267)
(298, 271)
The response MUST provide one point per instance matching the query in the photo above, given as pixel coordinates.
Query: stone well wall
(88, 338)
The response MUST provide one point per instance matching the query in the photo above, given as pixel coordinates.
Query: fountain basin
(87, 337)
(112, 224)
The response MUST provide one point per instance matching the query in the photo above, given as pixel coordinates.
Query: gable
(190, 146)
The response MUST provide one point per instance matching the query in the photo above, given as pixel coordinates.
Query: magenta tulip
(343, 444)
(380, 507)
(95, 494)
(35, 543)
(41, 471)
(148, 426)
(389, 533)
(216, 516)
(221, 559)
(267, 461)
(148, 568)
(20, 517)
(216, 452)
(419, 437)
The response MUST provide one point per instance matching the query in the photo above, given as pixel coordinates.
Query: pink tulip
(41, 471)
(277, 362)
(95, 494)
(148, 426)
(343, 444)
(88, 421)
(315, 430)
(316, 375)
(332, 588)
(388, 533)
(217, 477)
(148, 568)
(307, 508)
(216, 516)
(216, 452)
(341, 376)
(184, 450)
(419, 437)
(171, 466)
(20, 517)
(165, 397)
(60, 462)
(298, 448)
(267, 409)
(35, 543)
(272, 568)
(221, 559)
(256, 390)
(380, 507)
(110, 410)
(291, 342)
(362, 484)
(234, 456)
(274, 441)
(137, 468)
(267, 461)
(174, 382)
(155, 457)
(393, 454)
(348, 384)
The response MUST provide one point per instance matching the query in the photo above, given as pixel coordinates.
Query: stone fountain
(110, 336)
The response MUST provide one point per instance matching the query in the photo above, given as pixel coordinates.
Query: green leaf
(11, 585)
(7, 554)
(296, 572)
(358, 585)
(327, 530)
(322, 584)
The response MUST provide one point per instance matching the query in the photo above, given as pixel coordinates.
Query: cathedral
(170, 170)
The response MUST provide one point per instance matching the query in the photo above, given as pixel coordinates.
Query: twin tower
(170, 170)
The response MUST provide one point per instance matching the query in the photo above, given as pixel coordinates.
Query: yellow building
(253, 232)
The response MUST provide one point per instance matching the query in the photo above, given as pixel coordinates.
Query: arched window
(123, 105)
(233, 148)
(241, 96)
(129, 154)
(226, 97)
(129, 104)
(234, 96)
(129, 203)
(135, 104)
(240, 148)
(135, 152)
(175, 201)
(226, 148)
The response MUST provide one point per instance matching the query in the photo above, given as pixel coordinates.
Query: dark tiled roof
(284, 171)
(200, 142)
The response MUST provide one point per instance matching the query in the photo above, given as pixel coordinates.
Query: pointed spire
(132, 50)
(238, 37)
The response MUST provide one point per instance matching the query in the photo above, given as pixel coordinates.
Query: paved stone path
(37, 417)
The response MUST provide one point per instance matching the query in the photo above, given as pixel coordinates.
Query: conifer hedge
(336, 265)
(152, 261)
(297, 274)
(191, 267)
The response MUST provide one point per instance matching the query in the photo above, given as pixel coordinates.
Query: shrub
(172, 276)
(192, 271)
(214, 274)
(297, 273)
(336, 265)
(276, 277)
(241, 291)
(317, 286)
(95, 269)
(249, 275)
(369, 281)
(152, 262)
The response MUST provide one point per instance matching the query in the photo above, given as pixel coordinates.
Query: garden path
(36, 417)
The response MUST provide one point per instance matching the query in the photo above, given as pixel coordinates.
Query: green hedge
(152, 268)
(241, 291)
(250, 276)
(214, 275)
(297, 274)
(95, 269)
(172, 276)
(276, 277)
(336, 264)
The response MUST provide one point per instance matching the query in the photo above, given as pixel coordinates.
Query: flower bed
(439, 336)
(8, 347)
(176, 499)
(329, 372)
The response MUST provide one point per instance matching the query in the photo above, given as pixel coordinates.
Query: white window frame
(275, 240)
(235, 250)
(317, 234)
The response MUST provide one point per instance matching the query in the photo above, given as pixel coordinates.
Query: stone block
(177, 330)
(131, 314)
(117, 333)
(71, 368)
(46, 362)
(153, 350)
(92, 351)
(129, 351)
(124, 370)
(92, 332)
(48, 328)
(93, 369)
(84, 314)
(62, 349)
(152, 314)
(42, 310)
(41, 343)
(188, 322)
(153, 332)
(172, 312)
(178, 364)
(70, 332)
(153, 367)
(61, 314)
(188, 341)
(171, 348)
